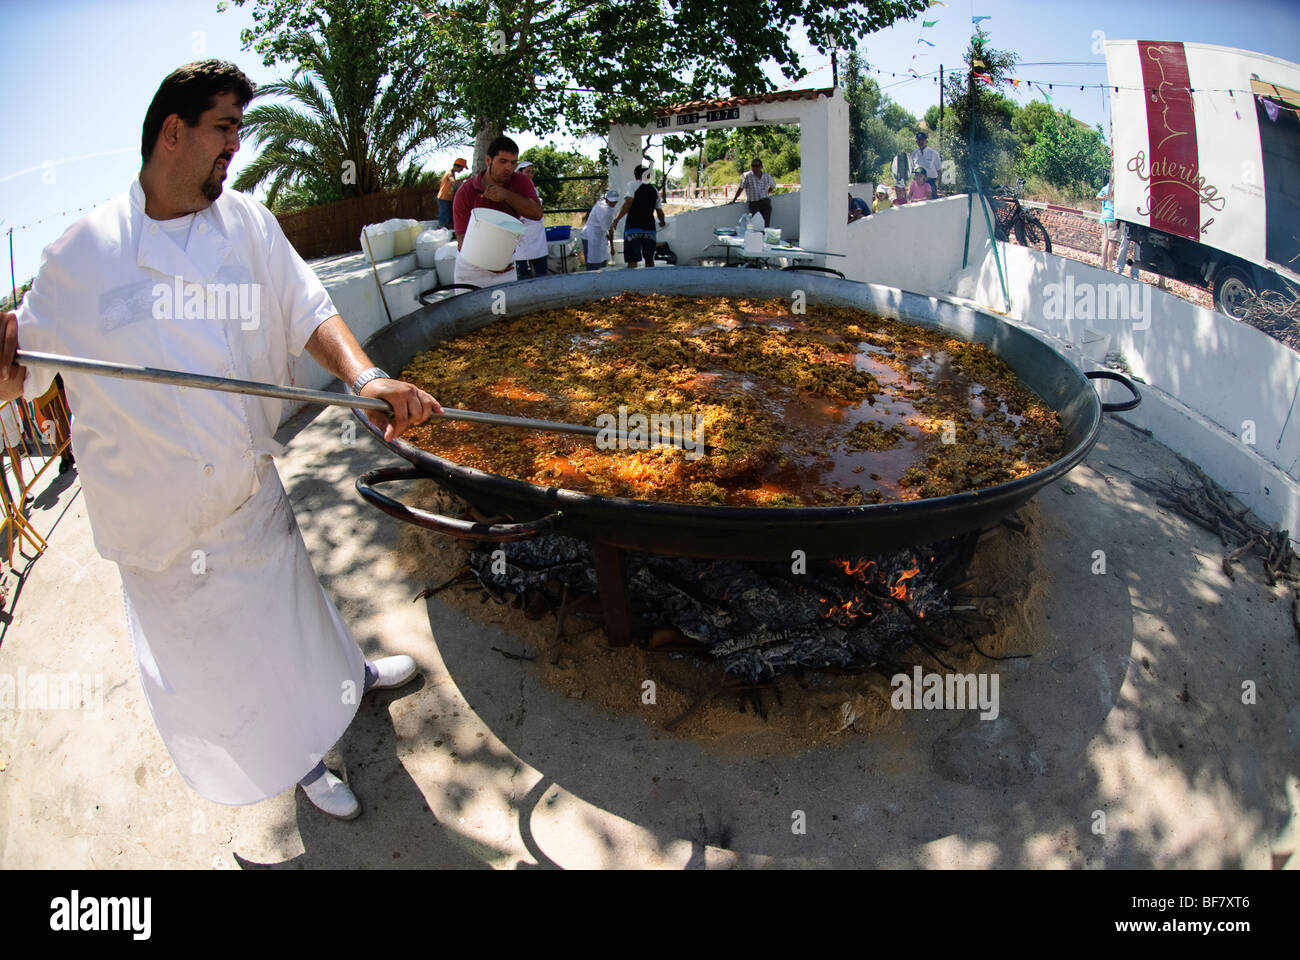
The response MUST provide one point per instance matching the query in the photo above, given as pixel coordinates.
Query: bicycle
(1010, 217)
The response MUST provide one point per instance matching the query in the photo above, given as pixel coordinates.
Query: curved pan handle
(1118, 378)
(461, 529)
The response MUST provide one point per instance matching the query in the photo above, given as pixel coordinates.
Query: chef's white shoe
(331, 795)
(393, 672)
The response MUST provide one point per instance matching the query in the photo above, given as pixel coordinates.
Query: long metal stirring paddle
(128, 371)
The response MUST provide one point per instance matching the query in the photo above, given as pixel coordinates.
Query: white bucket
(381, 241)
(444, 260)
(426, 245)
(491, 239)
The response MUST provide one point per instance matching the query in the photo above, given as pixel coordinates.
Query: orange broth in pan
(833, 406)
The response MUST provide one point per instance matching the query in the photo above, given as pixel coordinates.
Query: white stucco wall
(918, 247)
(1209, 380)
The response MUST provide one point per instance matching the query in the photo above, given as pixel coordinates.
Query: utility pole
(940, 146)
(12, 282)
(970, 106)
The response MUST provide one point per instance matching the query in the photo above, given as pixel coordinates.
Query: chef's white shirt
(160, 465)
(596, 232)
(532, 244)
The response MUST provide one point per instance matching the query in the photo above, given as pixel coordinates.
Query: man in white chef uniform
(249, 671)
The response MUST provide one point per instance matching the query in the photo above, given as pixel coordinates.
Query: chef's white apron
(247, 667)
(466, 272)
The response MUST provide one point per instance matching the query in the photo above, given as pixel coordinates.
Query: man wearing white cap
(530, 255)
(595, 239)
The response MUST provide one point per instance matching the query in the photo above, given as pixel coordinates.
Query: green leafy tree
(1029, 121)
(879, 128)
(1068, 154)
(580, 65)
(981, 137)
(551, 163)
(352, 124)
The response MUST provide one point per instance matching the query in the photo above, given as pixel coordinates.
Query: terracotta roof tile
(776, 97)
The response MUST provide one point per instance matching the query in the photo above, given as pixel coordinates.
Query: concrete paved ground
(1124, 742)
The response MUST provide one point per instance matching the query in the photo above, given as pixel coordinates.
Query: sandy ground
(1157, 723)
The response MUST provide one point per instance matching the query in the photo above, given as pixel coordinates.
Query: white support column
(824, 175)
(624, 154)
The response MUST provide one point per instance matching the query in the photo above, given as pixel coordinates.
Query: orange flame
(856, 569)
(899, 590)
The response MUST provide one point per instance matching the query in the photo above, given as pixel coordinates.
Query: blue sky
(78, 76)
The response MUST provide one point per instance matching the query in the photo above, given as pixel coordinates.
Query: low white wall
(1209, 380)
(1228, 371)
(350, 282)
(690, 233)
(918, 247)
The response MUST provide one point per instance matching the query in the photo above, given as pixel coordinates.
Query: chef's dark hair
(502, 143)
(187, 92)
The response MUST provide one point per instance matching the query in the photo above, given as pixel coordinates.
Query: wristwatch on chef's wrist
(374, 373)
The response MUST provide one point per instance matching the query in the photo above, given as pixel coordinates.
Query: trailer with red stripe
(1206, 143)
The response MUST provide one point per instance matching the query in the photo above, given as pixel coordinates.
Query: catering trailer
(1207, 164)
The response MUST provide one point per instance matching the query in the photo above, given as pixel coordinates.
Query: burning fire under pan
(874, 573)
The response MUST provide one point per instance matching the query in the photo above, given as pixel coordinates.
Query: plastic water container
(444, 260)
(753, 241)
(404, 236)
(743, 225)
(426, 245)
(758, 223)
(381, 241)
(491, 239)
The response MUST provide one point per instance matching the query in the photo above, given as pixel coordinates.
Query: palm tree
(356, 135)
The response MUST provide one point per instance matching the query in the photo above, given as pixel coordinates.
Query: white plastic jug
(381, 241)
(758, 223)
(753, 241)
(444, 260)
(426, 245)
(491, 239)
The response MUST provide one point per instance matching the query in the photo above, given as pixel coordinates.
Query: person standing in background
(757, 187)
(920, 188)
(600, 222)
(924, 157)
(530, 255)
(640, 206)
(1109, 225)
(498, 187)
(447, 191)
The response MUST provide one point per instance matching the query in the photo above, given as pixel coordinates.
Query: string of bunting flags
(61, 213)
